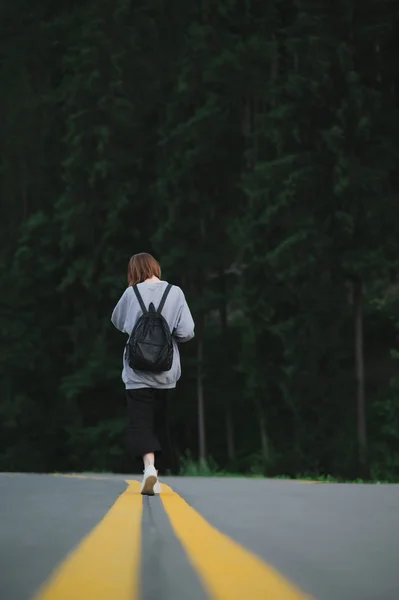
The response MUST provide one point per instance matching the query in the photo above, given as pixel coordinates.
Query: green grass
(208, 468)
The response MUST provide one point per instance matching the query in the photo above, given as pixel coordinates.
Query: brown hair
(141, 267)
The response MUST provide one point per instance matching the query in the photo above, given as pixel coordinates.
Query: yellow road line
(106, 563)
(71, 476)
(228, 571)
(312, 482)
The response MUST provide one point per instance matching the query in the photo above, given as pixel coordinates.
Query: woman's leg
(162, 431)
(149, 459)
(169, 457)
(141, 436)
(142, 439)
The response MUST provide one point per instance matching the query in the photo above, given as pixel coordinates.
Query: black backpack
(150, 346)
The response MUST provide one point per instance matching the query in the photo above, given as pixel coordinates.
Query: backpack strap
(163, 299)
(140, 299)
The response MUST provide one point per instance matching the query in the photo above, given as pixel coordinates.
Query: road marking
(228, 571)
(70, 476)
(106, 564)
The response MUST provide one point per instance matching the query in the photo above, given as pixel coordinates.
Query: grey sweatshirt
(178, 316)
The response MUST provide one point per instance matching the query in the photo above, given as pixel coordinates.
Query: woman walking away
(156, 317)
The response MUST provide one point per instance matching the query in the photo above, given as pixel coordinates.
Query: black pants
(148, 426)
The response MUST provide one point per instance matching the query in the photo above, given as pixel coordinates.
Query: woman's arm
(184, 328)
(119, 314)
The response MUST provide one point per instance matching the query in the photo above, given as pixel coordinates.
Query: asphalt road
(77, 538)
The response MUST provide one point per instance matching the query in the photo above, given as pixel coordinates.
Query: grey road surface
(336, 542)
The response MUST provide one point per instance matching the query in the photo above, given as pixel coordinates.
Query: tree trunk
(231, 453)
(246, 128)
(263, 435)
(200, 390)
(359, 373)
(264, 441)
(227, 403)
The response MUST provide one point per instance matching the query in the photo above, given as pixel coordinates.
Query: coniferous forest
(253, 148)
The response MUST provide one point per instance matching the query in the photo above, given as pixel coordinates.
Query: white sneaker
(157, 488)
(150, 480)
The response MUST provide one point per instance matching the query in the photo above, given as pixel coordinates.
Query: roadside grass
(209, 468)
